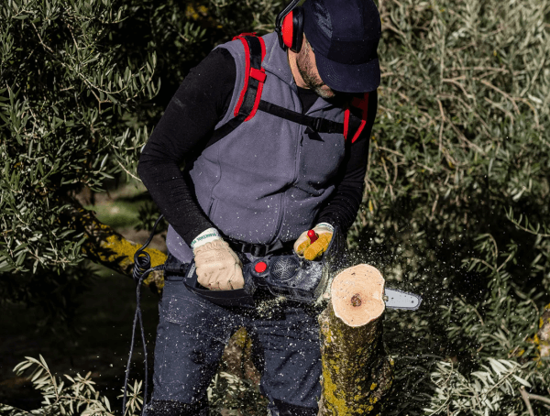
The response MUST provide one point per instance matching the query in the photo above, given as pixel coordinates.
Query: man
(257, 186)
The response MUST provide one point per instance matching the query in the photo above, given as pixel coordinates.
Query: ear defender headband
(289, 26)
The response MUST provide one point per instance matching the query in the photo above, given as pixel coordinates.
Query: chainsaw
(287, 276)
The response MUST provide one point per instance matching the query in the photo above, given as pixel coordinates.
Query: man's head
(339, 49)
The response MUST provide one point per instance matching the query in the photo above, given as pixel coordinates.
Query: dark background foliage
(456, 200)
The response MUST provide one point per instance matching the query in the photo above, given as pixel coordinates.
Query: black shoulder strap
(318, 124)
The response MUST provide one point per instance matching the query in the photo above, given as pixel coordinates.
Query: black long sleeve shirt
(187, 124)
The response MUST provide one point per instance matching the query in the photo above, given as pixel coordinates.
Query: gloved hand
(218, 267)
(310, 251)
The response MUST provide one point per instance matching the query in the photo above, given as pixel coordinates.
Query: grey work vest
(267, 179)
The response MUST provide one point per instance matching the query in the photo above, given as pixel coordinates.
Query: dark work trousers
(191, 337)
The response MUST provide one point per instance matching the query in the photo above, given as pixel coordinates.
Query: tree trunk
(107, 247)
(357, 373)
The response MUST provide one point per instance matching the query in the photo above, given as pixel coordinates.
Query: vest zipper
(297, 155)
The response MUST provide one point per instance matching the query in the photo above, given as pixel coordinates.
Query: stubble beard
(313, 83)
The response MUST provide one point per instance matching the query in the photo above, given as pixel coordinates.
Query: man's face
(305, 61)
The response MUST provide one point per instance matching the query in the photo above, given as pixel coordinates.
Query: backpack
(250, 100)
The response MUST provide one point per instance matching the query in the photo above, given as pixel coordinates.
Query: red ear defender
(289, 26)
(287, 30)
(291, 29)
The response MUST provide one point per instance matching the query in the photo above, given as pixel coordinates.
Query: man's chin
(324, 91)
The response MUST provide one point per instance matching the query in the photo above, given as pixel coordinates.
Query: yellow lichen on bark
(541, 339)
(122, 251)
(107, 247)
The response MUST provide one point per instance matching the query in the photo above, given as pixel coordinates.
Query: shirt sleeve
(188, 122)
(341, 208)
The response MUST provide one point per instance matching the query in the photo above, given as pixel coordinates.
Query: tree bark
(357, 373)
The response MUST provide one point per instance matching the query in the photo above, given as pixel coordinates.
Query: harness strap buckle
(317, 124)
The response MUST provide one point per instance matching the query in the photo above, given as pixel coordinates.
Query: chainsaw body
(288, 276)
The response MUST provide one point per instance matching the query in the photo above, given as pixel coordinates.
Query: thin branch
(463, 138)
(487, 83)
(40, 39)
(459, 85)
(476, 68)
(484, 263)
(442, 124)
(525, 397)
(533, 109)
(501, 108)
(128, 172)
(402, 156)
(527, 230)
(537, 397)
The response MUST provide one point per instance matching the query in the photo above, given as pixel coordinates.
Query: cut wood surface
(358, 295)
(357, 373)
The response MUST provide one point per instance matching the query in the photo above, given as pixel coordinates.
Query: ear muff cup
(292, 29)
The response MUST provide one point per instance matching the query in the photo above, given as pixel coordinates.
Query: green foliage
(182, 33)
(493, 388)
(70, 396)
(75, 80)
(456, 206)
(63, 95)
(76, 395)
(460, 142)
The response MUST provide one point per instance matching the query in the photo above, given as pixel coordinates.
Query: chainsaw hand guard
(336, 257)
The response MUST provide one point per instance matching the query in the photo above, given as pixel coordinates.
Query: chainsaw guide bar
(398, 299)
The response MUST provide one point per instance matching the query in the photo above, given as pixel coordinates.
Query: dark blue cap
(344, 35)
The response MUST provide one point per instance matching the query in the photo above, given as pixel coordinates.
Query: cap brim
(349, 78)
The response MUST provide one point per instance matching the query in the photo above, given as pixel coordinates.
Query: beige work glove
(303, 246)
(218, 267)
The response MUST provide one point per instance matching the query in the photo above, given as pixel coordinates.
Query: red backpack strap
(254, 77)
(363, 105)
(251, 92)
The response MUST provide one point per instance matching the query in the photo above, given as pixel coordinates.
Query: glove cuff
(207, 236)
(324, 226)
